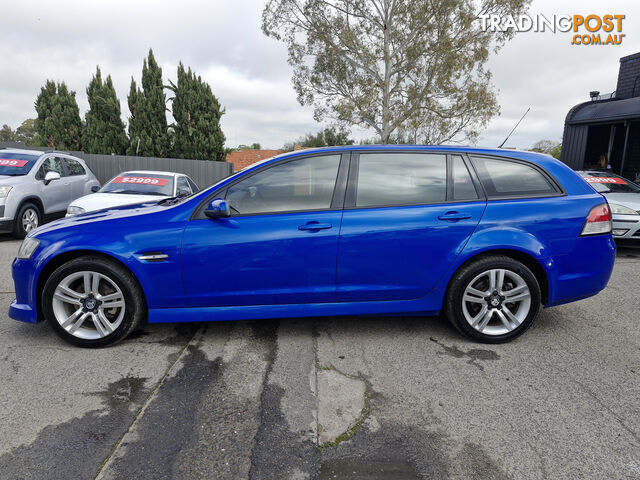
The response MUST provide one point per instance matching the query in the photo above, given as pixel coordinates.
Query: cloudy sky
(221, 40)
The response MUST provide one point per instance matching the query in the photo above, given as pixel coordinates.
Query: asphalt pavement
(329, 398)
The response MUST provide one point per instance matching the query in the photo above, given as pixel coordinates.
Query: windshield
(14, 164)
(140, 184)
(610, 183)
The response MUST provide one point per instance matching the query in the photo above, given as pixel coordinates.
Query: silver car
(36, 186)
(623, 197)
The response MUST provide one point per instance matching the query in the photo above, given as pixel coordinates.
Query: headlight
(4, 191)
(622, 210)
(27, 248)
(72, 210)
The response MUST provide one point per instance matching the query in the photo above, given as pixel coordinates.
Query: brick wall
(629, 76)
(243, 158)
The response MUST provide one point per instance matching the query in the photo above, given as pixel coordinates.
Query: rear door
(407, 216)
(76, 176)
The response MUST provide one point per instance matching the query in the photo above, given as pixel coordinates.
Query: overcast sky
(221, 40)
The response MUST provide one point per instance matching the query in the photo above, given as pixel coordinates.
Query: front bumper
(24, 307)
(626, 227)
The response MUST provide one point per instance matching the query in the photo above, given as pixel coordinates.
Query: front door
(56, 194)
(404, 224)
(280, 244)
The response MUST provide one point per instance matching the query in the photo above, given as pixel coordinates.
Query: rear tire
(493, 300)
(92, 302)
(28, 218)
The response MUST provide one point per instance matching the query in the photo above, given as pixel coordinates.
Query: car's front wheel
(27, 219)
(92, 302)
(493, 300)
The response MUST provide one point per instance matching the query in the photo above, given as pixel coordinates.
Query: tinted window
(74, 167)
(463, 188)
(401, 179)
(15, 164)
(140, 184)
(305, 184)
(51, 164)
(502, 178)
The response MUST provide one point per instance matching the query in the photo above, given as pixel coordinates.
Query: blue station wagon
(485, 236)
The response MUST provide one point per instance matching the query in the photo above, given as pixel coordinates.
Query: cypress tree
(197, 112)
(104, 130)
(58, 122)
(148, 133)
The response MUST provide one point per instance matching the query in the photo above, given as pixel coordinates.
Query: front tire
(493, 300)
(92, 302)
(27, 219)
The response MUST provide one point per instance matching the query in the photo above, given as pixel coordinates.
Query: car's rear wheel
(92, 302)
(493, 300)
(28, 218)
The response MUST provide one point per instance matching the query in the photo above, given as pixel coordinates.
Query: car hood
(630, 200)
(99, 201)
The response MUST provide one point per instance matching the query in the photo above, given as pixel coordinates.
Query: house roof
(243, 158)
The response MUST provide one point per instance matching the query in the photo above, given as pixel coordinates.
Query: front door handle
(454, 216)
(314, 226)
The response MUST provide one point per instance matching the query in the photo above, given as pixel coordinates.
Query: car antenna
(514, 128)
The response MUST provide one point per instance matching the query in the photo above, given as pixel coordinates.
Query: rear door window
(73, 167)
(394, 179)
(505, 178)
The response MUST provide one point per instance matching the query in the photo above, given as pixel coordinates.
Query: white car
(129, 188)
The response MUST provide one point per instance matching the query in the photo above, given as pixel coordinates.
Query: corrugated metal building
(604, 133)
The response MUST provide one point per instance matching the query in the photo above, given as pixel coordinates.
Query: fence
(105, 167)
(203, 172)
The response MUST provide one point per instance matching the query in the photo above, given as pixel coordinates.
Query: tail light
(598, 221)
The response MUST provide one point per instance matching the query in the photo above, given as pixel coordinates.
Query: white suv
(37, 186)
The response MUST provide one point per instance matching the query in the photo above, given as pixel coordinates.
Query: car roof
(22, 151)
(599, 173)
(151, 172)
(541, 159)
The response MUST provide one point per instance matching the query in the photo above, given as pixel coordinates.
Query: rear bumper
(583, 272)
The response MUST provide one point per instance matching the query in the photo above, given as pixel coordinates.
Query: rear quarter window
(506, 178)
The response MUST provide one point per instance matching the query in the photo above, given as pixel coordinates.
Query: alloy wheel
(496, 301)
(29, 220)
(88, 305)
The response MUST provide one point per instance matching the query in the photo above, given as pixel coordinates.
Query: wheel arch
(526, 259)
(32, 199)
(63, 258)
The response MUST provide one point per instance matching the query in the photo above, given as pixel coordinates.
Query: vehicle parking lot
(384, 398)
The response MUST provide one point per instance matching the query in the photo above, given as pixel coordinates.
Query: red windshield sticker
(161, 182)
(617, 180)
(8, 162)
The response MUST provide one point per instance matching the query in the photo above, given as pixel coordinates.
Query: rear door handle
(314, 226)
(454, 216)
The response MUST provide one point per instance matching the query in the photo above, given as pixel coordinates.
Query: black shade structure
(604, 133)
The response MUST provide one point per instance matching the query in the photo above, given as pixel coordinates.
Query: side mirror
(95, 188)
(183, 192)
(50, 176)
(218, 208)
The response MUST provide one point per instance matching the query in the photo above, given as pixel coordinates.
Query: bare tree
(395, 66)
